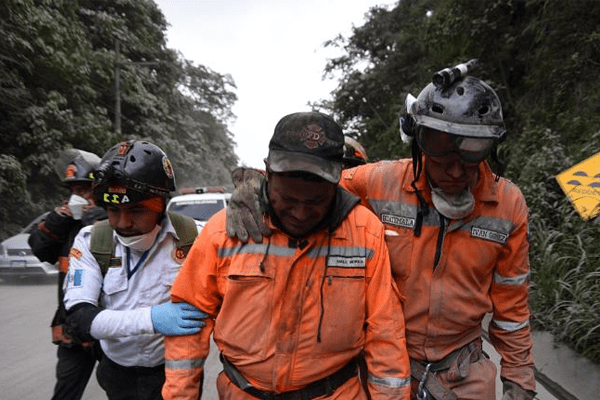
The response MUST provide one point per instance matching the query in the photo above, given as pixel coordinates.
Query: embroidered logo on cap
(312, 136)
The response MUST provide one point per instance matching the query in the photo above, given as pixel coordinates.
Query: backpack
(101, 242)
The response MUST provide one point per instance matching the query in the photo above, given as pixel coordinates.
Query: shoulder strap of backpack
(186, 230)
(101, 244)
(102, 247)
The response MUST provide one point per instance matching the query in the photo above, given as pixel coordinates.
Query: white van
(199, 203)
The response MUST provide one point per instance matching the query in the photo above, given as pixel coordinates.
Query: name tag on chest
(346, 262)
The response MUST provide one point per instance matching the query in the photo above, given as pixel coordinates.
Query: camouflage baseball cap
(309, 142)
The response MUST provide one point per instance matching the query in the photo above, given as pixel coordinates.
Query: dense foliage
(543, 59)
(64, 64)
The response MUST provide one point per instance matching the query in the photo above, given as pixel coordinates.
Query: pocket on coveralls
(245, 315)
(344, 311)
(400, 245)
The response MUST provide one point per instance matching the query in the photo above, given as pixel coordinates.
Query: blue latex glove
(174, 319)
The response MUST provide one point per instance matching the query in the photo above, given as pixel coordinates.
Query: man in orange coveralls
(458, 241)
(291, 315)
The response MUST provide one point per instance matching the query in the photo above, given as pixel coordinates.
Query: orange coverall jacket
(456, 271)
(287, 313)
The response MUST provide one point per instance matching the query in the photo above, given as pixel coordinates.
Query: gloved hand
(174, 319)
(244, 214)
(512, 391)
(243, 174)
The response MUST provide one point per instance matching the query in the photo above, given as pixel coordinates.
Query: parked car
(199, 203)
(17, 259)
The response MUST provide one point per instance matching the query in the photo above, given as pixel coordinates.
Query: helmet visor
(436, 144)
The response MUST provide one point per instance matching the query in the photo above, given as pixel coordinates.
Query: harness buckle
(421, 391)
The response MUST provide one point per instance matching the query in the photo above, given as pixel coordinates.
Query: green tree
(58, 68)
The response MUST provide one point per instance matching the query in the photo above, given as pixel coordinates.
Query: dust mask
(140, 242)
(453, 206)
(76, 204)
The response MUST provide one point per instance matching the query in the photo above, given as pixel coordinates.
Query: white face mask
(76, 204)
(453, 206)
(140, 242)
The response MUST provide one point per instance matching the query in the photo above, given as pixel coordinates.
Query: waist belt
(458, 365)
(326, 386)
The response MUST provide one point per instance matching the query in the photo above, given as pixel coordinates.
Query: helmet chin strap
(423, 209)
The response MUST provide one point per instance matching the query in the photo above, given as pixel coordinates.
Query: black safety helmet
(76, 166)
(133, 171)
(354, 153)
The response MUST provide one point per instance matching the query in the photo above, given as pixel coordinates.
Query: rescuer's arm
(509, 329)
(51, 234)
(197, 284)
(385, 346)
(355, 181)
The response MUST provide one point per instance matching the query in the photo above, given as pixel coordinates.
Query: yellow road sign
(581, 184)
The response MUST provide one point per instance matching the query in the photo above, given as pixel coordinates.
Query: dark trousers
(73, 370)
(130, 383)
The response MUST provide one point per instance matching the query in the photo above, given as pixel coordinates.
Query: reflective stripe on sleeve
(390, 382)
(511, 281)
(510, 326)
(185, 364)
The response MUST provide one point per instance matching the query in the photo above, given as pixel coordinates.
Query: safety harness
(102, 247)
(458, 364)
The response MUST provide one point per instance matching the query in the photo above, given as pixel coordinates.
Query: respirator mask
(140, 242)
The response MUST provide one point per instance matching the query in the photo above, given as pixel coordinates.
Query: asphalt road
(27, 353)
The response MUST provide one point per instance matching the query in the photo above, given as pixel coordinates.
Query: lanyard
(140, 261)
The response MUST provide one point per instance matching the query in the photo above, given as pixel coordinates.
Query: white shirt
(125, 327)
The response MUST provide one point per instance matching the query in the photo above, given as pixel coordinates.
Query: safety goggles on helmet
(437, 144)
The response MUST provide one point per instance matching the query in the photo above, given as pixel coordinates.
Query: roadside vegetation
(88, 74)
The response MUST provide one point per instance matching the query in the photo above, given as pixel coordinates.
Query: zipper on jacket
(440, 240)
(325, 277)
